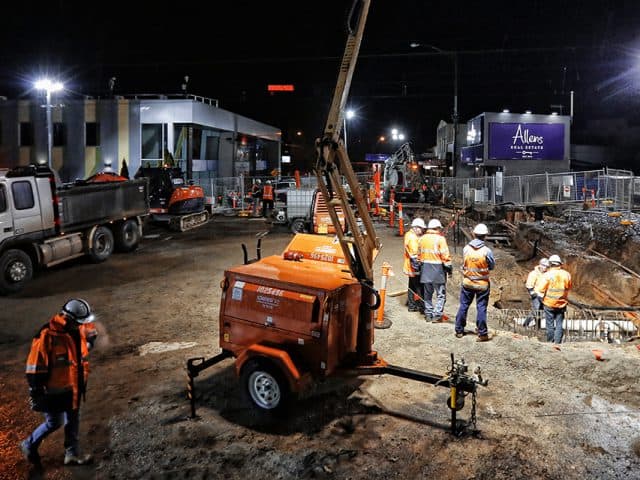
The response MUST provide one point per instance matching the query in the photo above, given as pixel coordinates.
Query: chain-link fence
(615, 189)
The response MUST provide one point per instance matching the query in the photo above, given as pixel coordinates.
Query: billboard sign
(472, 155)
(376, 157)
(526, 141)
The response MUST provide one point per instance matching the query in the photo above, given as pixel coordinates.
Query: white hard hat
(258, 182)
(481, 229)
(268, 182)
(544, 262)
(79, 310)
(555, 260)
(418, 222)
(434, 223)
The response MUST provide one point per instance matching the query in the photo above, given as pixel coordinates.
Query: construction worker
(478, 260)
(411, 267)
(436, 265)
(536, 304)
(267, 199)
(553, 289)
(256, 196)
(57, 372)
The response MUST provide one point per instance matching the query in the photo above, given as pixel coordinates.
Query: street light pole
(48, 86)
(349, 114)
(454, 117)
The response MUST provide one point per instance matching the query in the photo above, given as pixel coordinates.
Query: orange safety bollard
(400, 221)
(381, 321)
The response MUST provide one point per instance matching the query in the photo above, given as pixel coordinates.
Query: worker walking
(267, 199)
(478, 260)
(436, 265)
(553, 289)
(536, 302)
(256, 197)
(57, 372)
(411, 266)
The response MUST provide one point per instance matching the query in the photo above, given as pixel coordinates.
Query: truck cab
(41, 224)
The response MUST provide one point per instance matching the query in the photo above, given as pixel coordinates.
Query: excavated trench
(603, 256)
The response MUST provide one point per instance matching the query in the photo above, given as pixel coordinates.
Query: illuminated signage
(280, 88)
(286, 158)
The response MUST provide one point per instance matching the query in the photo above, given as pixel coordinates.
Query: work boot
(428, 318)
(459, 334)
(483, 338)
(436, 319)
(71, 459)
(31, 455)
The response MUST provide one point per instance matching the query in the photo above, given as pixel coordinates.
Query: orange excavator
(172, 200)
(293, 319)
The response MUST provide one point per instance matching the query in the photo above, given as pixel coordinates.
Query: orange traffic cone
(381, 321)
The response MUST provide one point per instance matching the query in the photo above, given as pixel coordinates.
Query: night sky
(518, 55)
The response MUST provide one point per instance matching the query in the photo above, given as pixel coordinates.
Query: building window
(26, 134)
(59, 134)
(152, 141)
(22, 195)
(92, 134)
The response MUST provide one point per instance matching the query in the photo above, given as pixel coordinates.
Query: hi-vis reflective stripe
(35, 369)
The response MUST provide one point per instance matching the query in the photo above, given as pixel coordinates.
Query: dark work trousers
(482, 300)
(553, 318)
(534, 315)
(414, 304)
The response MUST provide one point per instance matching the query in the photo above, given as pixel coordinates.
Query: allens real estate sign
(526, 141)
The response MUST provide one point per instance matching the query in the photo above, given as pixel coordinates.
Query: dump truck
(294, 319)
(44, 223)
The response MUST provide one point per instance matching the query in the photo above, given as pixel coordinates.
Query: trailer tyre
(265, 387)
(127, 236)
(298, 226)
(16, 269)
(101, 244)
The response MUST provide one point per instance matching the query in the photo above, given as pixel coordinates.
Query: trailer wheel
(101, 244)
(16, 269)
(265, 387)
(298, 226)
(127, 236)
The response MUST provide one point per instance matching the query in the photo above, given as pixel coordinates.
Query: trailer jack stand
(194, 366)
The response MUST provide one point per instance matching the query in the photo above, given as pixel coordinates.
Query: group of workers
(262, 193)
(427, 264)
(548, 285)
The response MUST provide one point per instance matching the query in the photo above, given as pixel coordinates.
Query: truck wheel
(127, 236)
(298, 225)
(101, 245)
(265, 387)
(16, 270)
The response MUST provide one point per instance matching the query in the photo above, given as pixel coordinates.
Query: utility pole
(455, 115)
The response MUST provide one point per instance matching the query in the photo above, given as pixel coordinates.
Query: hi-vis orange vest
(410, 250)
(53, 362)
(554, 287)
(475, 270)
(267, 192)
(434, 249)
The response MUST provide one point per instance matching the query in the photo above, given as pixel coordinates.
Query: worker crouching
(57, 371)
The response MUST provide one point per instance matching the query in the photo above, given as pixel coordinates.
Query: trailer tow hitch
(461, 384)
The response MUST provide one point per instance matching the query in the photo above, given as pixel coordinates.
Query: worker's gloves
(416, 265)
(37, 399)
(448, 269)
(533, 294)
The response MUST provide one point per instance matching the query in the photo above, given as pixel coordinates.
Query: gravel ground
(545, 413)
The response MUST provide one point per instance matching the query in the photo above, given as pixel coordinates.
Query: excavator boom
(333, 162)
